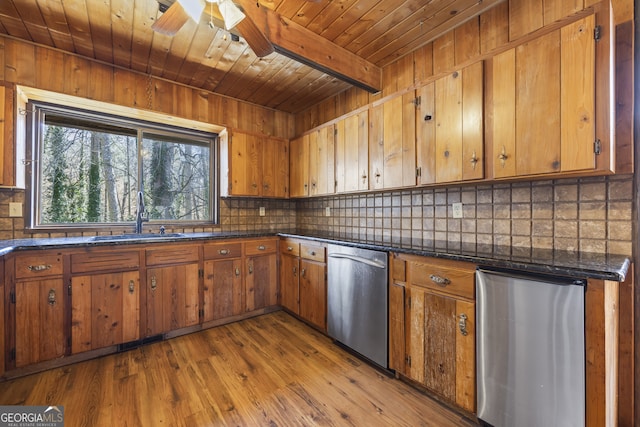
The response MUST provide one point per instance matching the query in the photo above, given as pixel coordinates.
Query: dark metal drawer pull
(440, 281)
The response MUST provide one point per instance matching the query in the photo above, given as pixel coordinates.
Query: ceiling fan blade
(171, 21)
(255, 38)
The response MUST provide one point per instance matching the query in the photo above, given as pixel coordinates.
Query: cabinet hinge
(201, 273)
(417, 101)
(12, 296)
(12, 354)
(201, 312)
(597, 33)
(408, 360)
(597, 147)
(69, 289)
(335, 132)
(418, 172)
(69, 342)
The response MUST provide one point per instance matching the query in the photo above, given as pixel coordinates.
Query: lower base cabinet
(40, 310)
(223, 292)
(105, 310)
(432, 326)
(173, 299)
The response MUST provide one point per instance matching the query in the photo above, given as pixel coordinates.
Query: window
(87, 169)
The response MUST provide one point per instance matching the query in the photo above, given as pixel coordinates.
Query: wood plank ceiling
(119, 32)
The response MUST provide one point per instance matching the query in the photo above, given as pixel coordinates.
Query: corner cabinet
(253, 165)
(432, 326)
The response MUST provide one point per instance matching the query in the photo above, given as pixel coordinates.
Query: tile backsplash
(586, 214)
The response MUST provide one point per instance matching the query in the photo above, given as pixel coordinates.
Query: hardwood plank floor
(269, 370)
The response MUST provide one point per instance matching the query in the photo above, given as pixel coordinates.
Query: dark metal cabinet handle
(154, 283)
(440, 281)
(303, 272)
(132, 286)
(41, 267)
(51, 299)
(224, 251)
(289, 248)
(462, 324)
(262, 247)
(237, 272)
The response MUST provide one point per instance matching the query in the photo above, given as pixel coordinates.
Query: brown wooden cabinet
(105, 310)
(392, 143)
(449, 127)
(435, 326)
(254, 165)
(261, 274)
(352, 153)
(223, 280)
(546, 104)
(172, 288)
(303, 280)
(38, 306)
(290, 275)
(105, 298)
(321, 161)
(299, 167)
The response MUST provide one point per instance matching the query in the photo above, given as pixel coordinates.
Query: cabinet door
(245, 165)
(105, 310)
(172, 298)
(261, 282)
(322, 161)
(441, 346)
(39, 312)
(299, 167)
(543, 104)
(351, 154)
(392, 143)
(450, 127)
(275, 167)
(313, 293)
(222, 289)
(289, 268)
(396, 327)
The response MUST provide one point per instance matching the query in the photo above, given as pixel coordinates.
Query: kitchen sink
(135, 236)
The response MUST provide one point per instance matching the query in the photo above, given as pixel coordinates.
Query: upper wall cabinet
(299, 166)
(352, 153)
(254, 165)
(449, 127)
(321, 161)
(392, 143)
(312, 163)
(543, 101)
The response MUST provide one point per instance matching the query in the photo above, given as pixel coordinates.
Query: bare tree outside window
(90, 172)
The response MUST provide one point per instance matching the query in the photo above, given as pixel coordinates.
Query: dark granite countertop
(577, 265)
(540, 261)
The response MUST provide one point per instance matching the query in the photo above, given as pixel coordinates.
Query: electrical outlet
(457, 210)
(327, 211)
(262, 211)
(15, 209)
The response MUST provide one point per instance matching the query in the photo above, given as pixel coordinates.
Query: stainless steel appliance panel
(357, 300)
(530, 351)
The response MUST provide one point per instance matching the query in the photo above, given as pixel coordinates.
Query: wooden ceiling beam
(296, 42)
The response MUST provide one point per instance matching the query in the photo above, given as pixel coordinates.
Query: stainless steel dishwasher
(357, 300)
(530, 350)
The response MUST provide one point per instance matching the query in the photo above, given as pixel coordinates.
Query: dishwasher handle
(371, 262)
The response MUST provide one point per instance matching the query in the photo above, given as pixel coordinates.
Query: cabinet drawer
(88, 262)
(290, 247)
(448, 279)
(38, 265)
(172, 255)
(258, 247)
(312, 252)
(223, 250)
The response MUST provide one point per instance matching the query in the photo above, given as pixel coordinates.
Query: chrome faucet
(140, 213)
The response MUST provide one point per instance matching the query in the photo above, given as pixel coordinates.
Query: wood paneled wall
(32, 65)
(478, 37)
